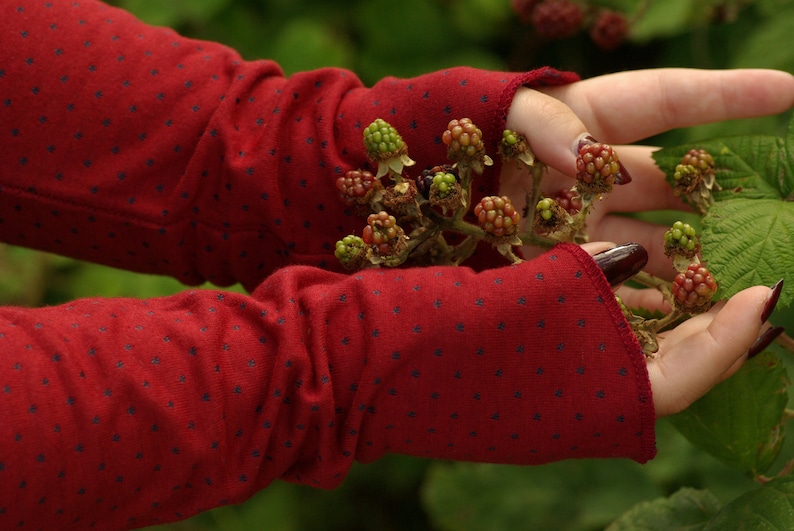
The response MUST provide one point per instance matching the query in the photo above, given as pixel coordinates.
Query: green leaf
(688, 509)
(473, 497)
(748, 234)
(762, 47)
(740, 421)
(749, 242)
(770, 507)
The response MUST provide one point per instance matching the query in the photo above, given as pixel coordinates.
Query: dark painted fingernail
(622, 177)
(622, 262)
(771, 302)
(764, 341)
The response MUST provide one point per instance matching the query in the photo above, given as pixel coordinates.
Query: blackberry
(569, 199)
(557, 19)
(425, 180)
(681, 240)
(357, 187)
(598, 168)
(699, 158)
(696, 169)
(465, 145)
(693, 289)
(352, 252)
(514, 146)
(609, 30)
(497, 216)
(523, 9)
(383, 234)
(549, 216)
(443, 185)
(385, 146)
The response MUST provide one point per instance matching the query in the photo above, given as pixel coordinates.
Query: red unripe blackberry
(693, 289)
(557, 19)
(699, 158)
(383, 233)
(597, 167)
(463, 139)
(497, 216)
(569, 199)
(356, 186)
(523, 9)
(609, 30)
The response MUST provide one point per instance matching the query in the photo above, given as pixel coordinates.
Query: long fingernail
(622, 262)
(622, 177)
(764, 341)
(771, 302)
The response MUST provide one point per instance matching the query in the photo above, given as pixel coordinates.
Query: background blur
(376, 38)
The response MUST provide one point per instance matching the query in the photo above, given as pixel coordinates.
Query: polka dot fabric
(126, 413)
(132, 146)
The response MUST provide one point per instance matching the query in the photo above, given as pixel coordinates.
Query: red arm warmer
(131, 146)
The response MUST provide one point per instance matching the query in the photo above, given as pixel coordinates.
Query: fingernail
(622, 262)
(764, 341)
(771, 302)
(622, 177)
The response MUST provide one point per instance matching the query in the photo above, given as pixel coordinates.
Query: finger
(552, 129)
(649, 235)
(630, 106)
(705, 349)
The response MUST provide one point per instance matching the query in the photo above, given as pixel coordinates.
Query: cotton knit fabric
(131, 146)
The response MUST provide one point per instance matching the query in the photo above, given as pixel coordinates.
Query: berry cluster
(497, 216)
(357, 187)
(383, 234)
(560, 19)
(569, 199)
(694, 178)
(693, 289)
(598, 168)
(681, 240)
(464, 144)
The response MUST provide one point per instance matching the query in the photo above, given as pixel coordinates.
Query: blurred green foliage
(377, 38)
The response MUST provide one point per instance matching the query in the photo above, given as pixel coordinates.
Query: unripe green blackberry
(597, 167)
(465, 145)
(497, 216)
(425, 180)
(383, 234)
(352, 252)
(549, 216)
(681, 240)
(385, 146)
(443, 185)
(693, 289)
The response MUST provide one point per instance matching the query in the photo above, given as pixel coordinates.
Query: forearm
(124, 413)
(137, 148)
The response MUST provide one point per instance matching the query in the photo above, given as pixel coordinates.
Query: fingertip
(552, 128)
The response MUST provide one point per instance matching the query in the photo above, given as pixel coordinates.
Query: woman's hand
(703, 350)
(627, 107)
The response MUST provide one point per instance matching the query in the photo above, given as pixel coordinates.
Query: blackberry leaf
(741, 421)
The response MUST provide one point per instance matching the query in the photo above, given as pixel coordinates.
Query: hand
(628, 107)
(703, 350)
